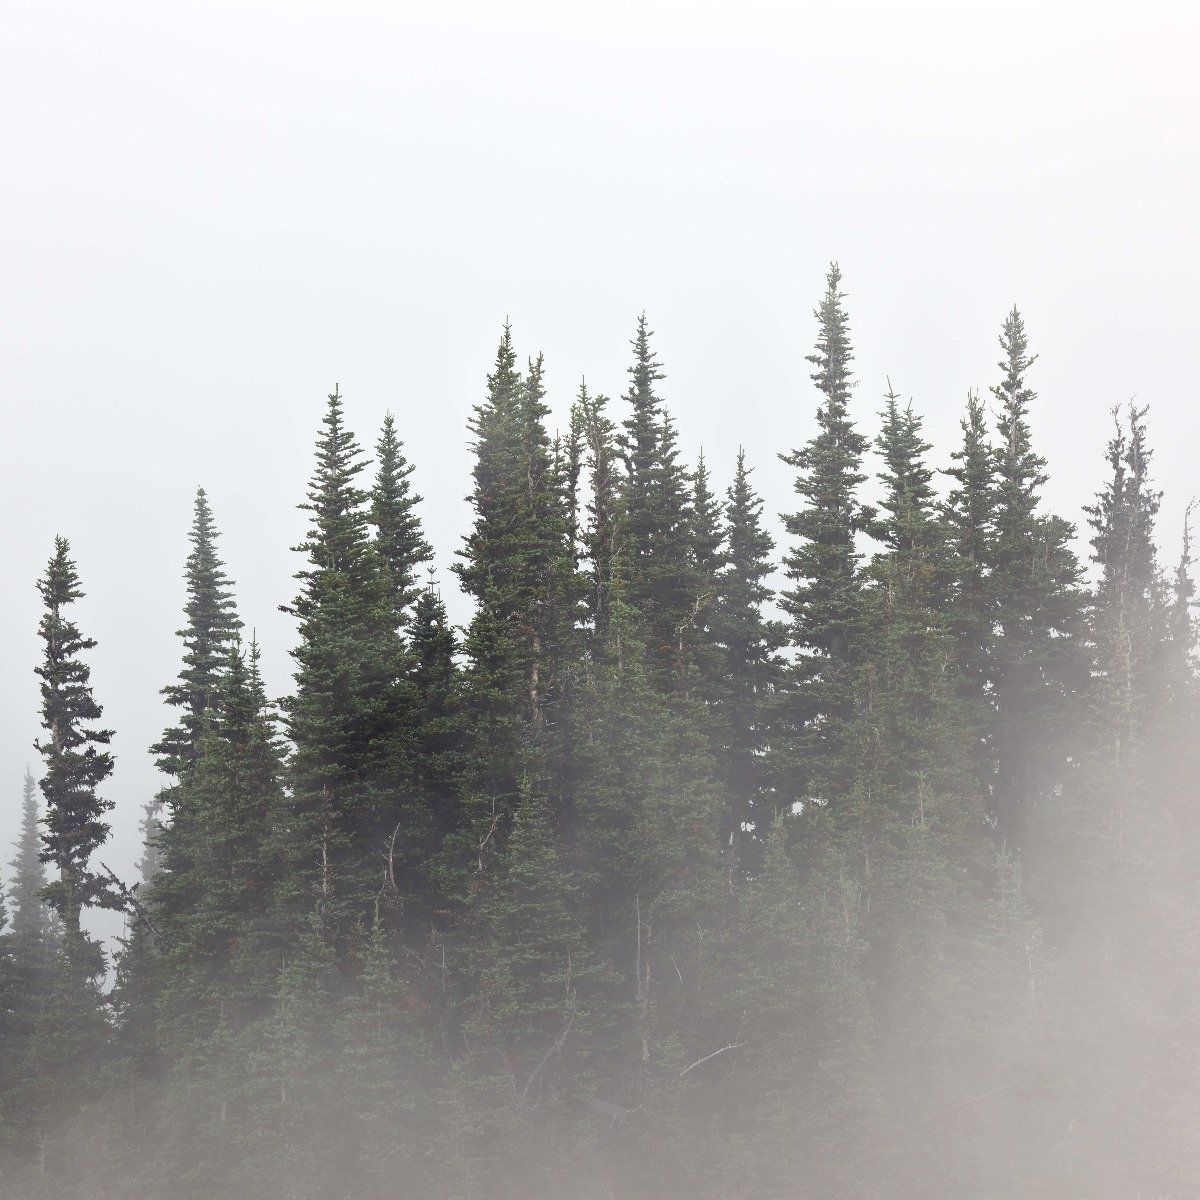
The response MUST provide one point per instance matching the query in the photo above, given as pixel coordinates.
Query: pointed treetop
(211, 626)
(398, 534)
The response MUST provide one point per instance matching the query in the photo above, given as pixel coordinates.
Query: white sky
(211, 212)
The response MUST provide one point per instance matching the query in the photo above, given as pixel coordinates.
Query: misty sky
(209, 213)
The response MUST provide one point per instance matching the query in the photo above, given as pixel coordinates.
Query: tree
(347, 719)
(1037, 664)
(212, 626)
(749, 670)
(822, 596)
(73, 752)
(516, 564)
(214, 926)
(398, 535)
(30, 929)
(602, 542)
(656, 566)
(969, 514)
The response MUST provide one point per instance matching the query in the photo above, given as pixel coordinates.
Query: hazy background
(211, 212)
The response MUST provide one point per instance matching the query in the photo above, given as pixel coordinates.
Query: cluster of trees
(650, 882)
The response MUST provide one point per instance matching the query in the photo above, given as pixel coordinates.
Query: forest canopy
(693, 865)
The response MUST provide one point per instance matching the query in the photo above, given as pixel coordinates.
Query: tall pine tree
(823, 592)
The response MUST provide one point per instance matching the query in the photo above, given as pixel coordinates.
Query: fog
(212, 214)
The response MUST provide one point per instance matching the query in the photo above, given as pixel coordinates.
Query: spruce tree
(516, 566)
(30, 928)
(969, 515)
(822, 596)
(1037, 663)
(214, 927)
(347, 719)
(73, 750)
(602, 534)
(656, 567)
(749, 669)
(398, 535)
(212, 625)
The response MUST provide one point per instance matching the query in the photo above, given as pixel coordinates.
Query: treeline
(650, 882)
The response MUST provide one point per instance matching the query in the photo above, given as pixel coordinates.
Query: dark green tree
(969, 514)
(1037, 660)
(749, 669)
(601, 535)
(656, 521)
(822, 596)
(348, 719)
(211, 627)
(74, 753)
(398, 535)
(516, 566)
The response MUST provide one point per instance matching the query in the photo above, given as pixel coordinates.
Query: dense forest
(692, 866)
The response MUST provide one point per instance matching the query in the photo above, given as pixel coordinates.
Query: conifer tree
(212, 626)
(516, 566)
(347, 721)
(432, 807)
(969, 514)
(30, 928)
(398, 535)
(656, 566)
(908, 515)
(219, 952)
(1037, 664)
(748, 668)
(602, 533)
(73, 750)
(822, 597)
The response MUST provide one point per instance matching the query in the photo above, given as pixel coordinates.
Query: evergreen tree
(748, 667)
(76, 761)
(214, 934)
(908, 517)
(602, 533)
(212, 626)
(30, 929)
(516, 566)
(657, 529)
(969, 515)
(1037, 664)
(398, 535)
(822, 599)
(347, 719)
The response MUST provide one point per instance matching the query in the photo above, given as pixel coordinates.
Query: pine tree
(602, 542)
(659, 579)
(73, 751)
(212, 626)
(30, 929)
(969, 514)
(696, 654)
(822, 599)
(516, 565)
(749, 670)
(213, 920)
(1037, 664)
(398, 535)
(908, 517)
(347, 719)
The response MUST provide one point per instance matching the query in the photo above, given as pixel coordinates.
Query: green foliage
(72, 751)
(212, 626)
(635, 891)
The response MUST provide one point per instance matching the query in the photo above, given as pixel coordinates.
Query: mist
(828, 837)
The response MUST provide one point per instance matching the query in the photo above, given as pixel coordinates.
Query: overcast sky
(211, 212)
